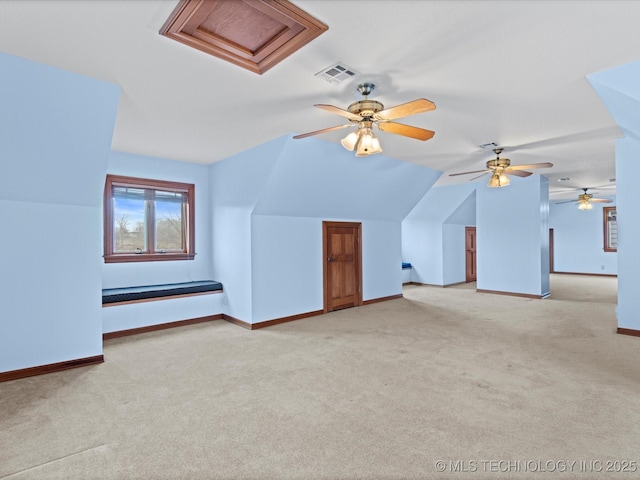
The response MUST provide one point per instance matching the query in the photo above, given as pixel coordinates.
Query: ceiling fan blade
(467, 173)
(481, 175)
(567, 201)
(339, 111)
(406, 130)
(517, 173)
(531, 165)
(410, 108)
(324, 130)
(600, 200)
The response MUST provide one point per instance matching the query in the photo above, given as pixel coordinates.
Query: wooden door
(470, 247)
(342, 265)
(551, 250)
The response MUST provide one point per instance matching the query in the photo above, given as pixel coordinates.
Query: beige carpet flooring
(492, 386)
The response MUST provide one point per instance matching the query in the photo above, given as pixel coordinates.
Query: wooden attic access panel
(254, 34)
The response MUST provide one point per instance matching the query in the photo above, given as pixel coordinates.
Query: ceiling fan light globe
(498, 180)
(368, 143)
(494, 181)
(585, 205)
(349, 142)
(375, 146)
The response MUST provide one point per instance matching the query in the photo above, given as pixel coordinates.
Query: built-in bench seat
(112, 296)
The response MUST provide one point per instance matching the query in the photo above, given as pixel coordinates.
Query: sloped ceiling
(446, 199)
(321, 179)
(514, 73)
(465, 214)
(620, 90)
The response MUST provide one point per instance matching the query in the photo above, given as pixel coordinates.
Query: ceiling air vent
(336, 73)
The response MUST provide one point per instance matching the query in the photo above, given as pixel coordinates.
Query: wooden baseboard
(276, 321)
(455, 284)
(588, 274)
(269, 323)
(382, 299)
(512, 294)
(236, 321)
(628, 331)
(50, 368)
(161, 326)
(418, 284)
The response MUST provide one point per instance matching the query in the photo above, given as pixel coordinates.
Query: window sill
(147, 257)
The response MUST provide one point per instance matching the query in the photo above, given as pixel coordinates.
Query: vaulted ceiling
(513, 73)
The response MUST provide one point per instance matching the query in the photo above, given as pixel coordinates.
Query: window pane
(129, 225)
(613, 229)
(169, 221)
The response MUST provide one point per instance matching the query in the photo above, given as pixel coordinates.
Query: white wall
(513, 237)
(55, 134)
(579, 239)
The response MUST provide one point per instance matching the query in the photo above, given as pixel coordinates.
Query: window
(610, 229)
(148, 220)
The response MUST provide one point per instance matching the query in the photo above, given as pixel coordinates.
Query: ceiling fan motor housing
(498, 163)
(365, 108)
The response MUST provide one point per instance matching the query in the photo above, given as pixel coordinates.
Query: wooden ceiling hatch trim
(253, 34)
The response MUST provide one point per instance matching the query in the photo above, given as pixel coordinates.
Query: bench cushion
(127, 294)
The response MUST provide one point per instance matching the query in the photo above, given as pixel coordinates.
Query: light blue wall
(123, 317)
(287, 264)
(579, 240)
(619, 89)
(128, 274)
(454, 259)
(267, 230)
(286, 258)
(381, 259)
(55, 135)
(235, 185)
(627, 175)
(513, 237)
(433, 250)
(454, 267)
(319, 179)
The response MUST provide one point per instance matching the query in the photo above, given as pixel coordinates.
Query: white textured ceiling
(513, 73)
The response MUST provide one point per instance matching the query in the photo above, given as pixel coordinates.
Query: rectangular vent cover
(337, 73)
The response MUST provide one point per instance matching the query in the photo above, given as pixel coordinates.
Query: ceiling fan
(499, 168)
(366, 113)
(585, 199)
